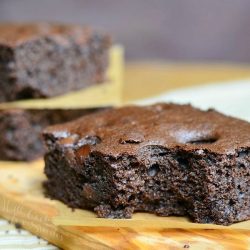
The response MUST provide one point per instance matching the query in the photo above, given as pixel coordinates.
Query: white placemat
(14, 238)
(231, 98)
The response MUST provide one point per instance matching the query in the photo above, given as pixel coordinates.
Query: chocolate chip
(83, 151)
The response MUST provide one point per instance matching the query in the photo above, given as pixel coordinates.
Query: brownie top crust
(127, 130)
(14, 34)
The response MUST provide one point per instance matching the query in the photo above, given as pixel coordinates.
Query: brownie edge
(43, 60)
(165, 159)
(20, 130)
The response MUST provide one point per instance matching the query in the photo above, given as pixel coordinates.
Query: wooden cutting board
(22, 201)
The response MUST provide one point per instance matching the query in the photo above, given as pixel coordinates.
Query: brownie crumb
(166, 159)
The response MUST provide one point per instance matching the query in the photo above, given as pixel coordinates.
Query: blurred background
(153, 30)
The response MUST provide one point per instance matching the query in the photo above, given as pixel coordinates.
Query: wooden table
(147, 79)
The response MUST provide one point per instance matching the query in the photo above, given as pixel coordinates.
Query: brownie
(20, 130)
(166, 159)
(44, 60)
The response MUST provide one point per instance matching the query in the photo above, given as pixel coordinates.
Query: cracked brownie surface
(166, 159)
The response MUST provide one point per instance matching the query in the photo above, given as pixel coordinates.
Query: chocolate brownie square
(166, 159)
(20, 130)
(44, 60)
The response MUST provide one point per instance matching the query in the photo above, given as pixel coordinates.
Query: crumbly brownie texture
(45, 60)
(167, 159)
(20, 130)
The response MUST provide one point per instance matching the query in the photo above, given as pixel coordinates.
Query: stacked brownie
(166, 159)
(20, 136)
(41, 61)
(45, 60)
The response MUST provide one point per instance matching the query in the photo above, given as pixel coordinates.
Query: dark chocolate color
(167, 159)
(44, 60)
(20, 130)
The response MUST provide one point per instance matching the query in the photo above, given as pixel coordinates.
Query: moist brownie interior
(45, 60)
(166, 159)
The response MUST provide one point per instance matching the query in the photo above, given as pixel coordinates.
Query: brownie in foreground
(20, 130)
(44, 60)
(167, 159)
